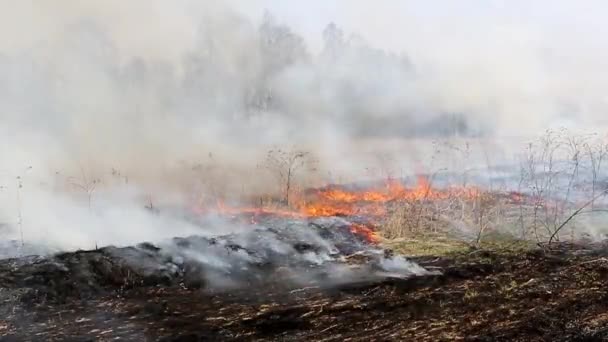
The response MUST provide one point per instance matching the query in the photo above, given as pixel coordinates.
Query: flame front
(334, 201)
(365, 232)
(340, 201)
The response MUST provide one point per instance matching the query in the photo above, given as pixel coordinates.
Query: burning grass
(421, 216)
(391, 208)
(335, 200)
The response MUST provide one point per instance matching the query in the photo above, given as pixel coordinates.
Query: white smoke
(143, 92)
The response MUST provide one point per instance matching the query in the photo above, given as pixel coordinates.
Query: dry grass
(439, 244)
(412, 217)
(426, 244)
(485, 219)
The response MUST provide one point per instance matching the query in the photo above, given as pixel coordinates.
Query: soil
(538, 295)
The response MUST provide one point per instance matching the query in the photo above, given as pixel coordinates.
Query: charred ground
(499, 294)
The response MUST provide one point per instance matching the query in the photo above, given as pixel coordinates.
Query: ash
(284, 253)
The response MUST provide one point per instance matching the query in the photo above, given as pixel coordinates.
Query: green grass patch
(438, 244)
(426, 244)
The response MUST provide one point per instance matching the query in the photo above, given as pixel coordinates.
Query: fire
(334, 201)
(366, 232)
(341, 201)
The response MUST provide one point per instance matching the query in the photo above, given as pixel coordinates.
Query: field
(500, 291)
(429, 259)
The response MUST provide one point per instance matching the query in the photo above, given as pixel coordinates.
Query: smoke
(123, 104)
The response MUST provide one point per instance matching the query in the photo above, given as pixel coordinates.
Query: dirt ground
(481, 295)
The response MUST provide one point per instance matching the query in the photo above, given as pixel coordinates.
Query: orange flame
(366, 232)
(336, 201)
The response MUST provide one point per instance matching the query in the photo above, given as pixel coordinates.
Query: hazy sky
(400, 24)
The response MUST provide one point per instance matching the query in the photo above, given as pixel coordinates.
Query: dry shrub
(412, 217)
(480, 213)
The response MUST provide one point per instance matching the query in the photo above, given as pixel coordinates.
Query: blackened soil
(557, 295)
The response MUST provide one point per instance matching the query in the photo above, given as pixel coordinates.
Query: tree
(334, 40)
(86, 184)
(286, 164)
(279, 48)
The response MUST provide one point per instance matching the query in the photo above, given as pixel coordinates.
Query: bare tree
(539, 169)
(286, 164)
(86, 184)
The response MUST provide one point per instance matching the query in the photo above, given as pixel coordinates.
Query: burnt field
(476, 294)
(348, 266)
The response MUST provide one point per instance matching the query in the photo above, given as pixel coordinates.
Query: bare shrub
(286, 164)
(86, 184)
(554, 171)
(596, 152)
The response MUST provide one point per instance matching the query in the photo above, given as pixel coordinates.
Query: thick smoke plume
(109, 106)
